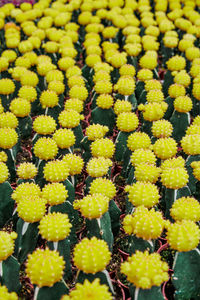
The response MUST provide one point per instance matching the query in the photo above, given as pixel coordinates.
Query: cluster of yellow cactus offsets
(99, 149)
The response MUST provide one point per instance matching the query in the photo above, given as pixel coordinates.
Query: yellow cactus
(54, 75)
(191, 144)
(3, 156)
(98, 167)
(196, 91)
(153, 84)
(91, 261)
(8, 138)
(155, 96)
(104, 101)
(29, 78)
(185, 208)
(56, 86)
(103, 186)
(78, 92)
(143, 193)
(183, 104)
(69, 118)
(176, 90)
(146, 172)
(74, 104)
(127, 121)
(125, 85)
(182, 78)
(103, 147)
(96, 131)
(145, 270)
(138, 140)
(56, 171)
(31, 209)
(175, 162)
(144, 223)
(28, 93)
(26, 190)
(76, 80)
(162, 129)
(176, 63)
(55, 193)
(127, 70)
(26, 170)
(7, 242)
(44, 125)
(103, 87)
(140, 156)
(93, 290)
(4, 294)
(153, 111)
(193, 129)
(45, 148)
(165, 148)
(45, 267)
(92, 206)
(174, 178)
(49, 99)
(148, 62)
(75, 163)
(64, 138)
(183, 235)
(144, 74)
(54, 227)
(121, 106)
(20, 107)
(8, 119)
(196, 169)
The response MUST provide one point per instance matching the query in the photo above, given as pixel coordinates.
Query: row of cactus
(94, 87)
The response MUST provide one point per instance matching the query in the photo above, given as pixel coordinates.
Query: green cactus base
(104, 117)
(6, 203)
(180, 122)
(151, 294)
(51, 293)
(9, 274)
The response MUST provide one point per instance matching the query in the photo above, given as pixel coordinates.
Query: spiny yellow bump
(8, 138)
(8, 119)
(174, 178)
(98, 167)
(45, 148)
(89, 290)
(196, 90)
(55, 193)
(28, 93)
(127, 121)
(55, 227)
(176, 90)
(55, 171)
(76, 80)
(144, 74)
(25, 190)
(191, 144)
(103, 87)
(145, 270)
(143, 193)
(153, 84)
(75, 163)
(45, 267)
(26, 170)
(121, 106)
(175, 162)
(185, 208)
(144, 223)
(183, 104)
(146, 172)
(7, 244)
(54, 75)
(125, 85)
(165, 148)
(31, 209)
(44, 67)
(96, 131)
(154, 96)
(176, 63)
(92, 206)
(29, 78)
(103, 147)
(193, 129)
(140, 156)
(44, 125)
(5, 295)
(196, 169)
(196, 121)
(162, 129)
(182, 78)
(20, 107)
(127, 70)
(104, 101)
(56, 86)
(153, 111)
(74, 104)
(69, 118)
(48, 99)
(138, 140)
(64, 138)
(79, 92)
(3, 156)
(148, 62)
(91, 256)
(183, 235)
(103, 186)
